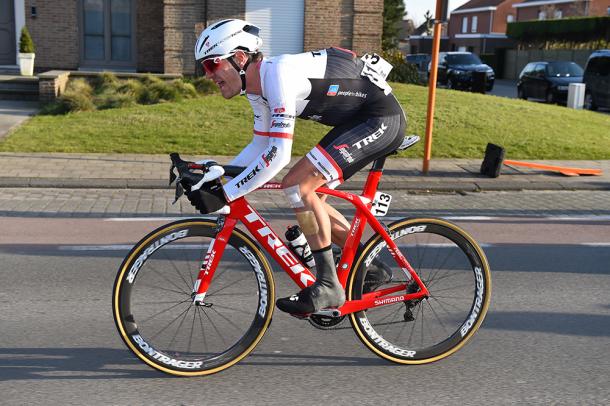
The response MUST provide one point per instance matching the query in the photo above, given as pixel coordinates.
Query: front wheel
(589, 103)
(454, 269)
(153, 299)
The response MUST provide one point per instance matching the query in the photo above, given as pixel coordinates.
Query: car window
(463, 59)
(599, 66)
(528, 69)
(539, 70)
(563, 69)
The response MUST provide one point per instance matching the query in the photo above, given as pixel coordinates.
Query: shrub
(115, 100)
(80, 86)
(402, 72)
(570, 30)
(72, 101)
(150, 79)
(26, 45)
(132, 87)
(203, 85)
(185, 89)
(157, 92)
(106, 81)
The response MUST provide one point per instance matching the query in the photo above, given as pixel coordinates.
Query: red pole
(436, 42)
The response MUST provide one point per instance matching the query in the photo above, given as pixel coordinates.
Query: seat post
(372, 181)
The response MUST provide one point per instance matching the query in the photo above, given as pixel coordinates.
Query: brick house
(479, 26)
(528, 10)
(159, 35)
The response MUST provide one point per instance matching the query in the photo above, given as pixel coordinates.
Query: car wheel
(550, 99)
(589, 105)
(521, 93)
(489, 87)
(450, 84)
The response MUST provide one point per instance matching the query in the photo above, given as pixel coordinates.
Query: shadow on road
(109, 363)
(587, 325)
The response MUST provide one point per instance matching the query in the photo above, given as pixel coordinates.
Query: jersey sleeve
(270, 148)
(279, 87)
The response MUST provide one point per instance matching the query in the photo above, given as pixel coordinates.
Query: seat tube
(212, 258)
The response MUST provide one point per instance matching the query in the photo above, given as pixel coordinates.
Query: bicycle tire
(460, 257)
(152, 278)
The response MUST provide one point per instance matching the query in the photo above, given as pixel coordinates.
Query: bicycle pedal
(329, 312)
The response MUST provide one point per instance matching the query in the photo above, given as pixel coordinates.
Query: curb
(404, 185)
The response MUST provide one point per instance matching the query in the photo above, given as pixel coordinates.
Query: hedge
(581, 29)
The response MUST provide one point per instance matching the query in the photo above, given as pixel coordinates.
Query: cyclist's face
(224, 75)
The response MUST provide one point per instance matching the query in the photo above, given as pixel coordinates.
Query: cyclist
(331, 86)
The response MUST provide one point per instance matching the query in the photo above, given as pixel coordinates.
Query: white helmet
(224, 38)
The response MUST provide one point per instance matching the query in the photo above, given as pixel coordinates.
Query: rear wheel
(153, 300)
(455, 271)
(521, 93)
(550, 98)
(589, 104)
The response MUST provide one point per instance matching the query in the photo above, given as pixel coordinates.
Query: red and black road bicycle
(196, 296)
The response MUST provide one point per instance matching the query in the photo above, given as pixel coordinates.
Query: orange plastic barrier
(564, 170)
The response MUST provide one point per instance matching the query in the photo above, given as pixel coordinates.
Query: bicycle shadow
(112, 363)
(70, 363)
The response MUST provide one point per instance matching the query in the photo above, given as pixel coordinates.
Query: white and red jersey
(326, 86)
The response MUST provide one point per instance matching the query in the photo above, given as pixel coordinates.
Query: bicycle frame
(242, 211)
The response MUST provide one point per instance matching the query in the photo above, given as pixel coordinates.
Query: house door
(107, 32)
(7, 32)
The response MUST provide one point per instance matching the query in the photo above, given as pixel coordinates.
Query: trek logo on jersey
(332, 90)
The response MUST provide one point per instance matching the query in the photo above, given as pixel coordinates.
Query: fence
(515, 60)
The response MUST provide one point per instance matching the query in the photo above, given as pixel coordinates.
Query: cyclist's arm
(279, 111)
(260, 137)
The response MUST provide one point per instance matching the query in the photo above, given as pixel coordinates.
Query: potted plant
(26, 53)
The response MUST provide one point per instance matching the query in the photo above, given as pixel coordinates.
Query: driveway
(505, 88)
(14, 112)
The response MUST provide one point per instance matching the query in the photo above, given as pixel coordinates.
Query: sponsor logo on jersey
(332, 90)
(280, 124)
(249, 176)
(268, 157)
(315, 117)
(352, 94)
(367, 140)
(338, 147)
(343, 151)
(279, 110)
(286, 116)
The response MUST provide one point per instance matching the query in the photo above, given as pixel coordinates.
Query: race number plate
(381, 204)
(377, 69)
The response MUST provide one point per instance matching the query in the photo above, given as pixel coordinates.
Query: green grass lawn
(464, 124)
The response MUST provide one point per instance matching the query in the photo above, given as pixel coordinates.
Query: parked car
(421, 61)
(457, 70)
(548, 80)
(597, 80)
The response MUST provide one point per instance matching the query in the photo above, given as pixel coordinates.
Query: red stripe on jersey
(280, 135)
(332, 161)
(266, 134)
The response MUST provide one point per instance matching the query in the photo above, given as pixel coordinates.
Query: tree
(393, 13)
(429, 22)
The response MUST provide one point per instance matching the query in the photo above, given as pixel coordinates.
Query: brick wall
(182, 23)
(149, 36)
(368, 24)
(353, 24)
(55, 33)
(221, 10)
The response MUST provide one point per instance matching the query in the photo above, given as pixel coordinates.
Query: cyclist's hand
(207, 199)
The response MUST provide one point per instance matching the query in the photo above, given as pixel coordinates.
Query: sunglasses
(210, 66)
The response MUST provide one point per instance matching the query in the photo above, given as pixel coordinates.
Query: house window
(107, 29)
(464, 24)
(558, 14)
(475, 21)
(542, 15)
(510, 18)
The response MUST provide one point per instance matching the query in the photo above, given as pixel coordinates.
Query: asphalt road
(545, 338)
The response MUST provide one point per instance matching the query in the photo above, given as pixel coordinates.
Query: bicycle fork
(212, 259)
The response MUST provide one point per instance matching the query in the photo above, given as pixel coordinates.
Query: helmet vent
(251, 29)
(203, 42)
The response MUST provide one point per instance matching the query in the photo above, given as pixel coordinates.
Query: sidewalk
(119, 171)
